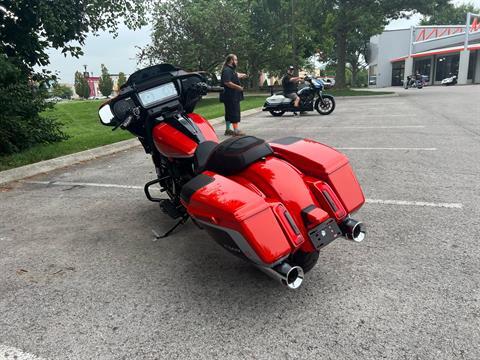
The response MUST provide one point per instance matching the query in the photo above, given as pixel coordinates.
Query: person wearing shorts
(290, 88)
(232, 95)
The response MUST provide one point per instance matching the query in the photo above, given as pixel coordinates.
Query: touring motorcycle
(311, 97)
(273, 204)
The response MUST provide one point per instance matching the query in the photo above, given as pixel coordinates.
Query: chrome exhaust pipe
(290, 276)
(353, 230)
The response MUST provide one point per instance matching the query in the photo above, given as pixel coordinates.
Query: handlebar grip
(127, 122)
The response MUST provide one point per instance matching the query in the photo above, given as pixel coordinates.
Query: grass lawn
(81, 122)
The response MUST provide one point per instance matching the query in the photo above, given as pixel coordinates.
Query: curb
(71, 159)
(63, 161)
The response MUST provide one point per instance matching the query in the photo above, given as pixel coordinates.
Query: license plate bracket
(324, 234)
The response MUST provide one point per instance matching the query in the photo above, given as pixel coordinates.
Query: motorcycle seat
(230, 156)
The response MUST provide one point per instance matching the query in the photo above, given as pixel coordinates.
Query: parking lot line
(385, 148)
(369, 127)
(10, 353)
(414, 203)
(63, 183)
(368, 201)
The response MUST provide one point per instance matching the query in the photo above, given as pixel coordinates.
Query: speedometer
(158, 94)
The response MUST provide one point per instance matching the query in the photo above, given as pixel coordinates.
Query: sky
(119, 54)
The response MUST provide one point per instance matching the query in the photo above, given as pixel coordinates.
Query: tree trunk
(341, 59)
(354, 75)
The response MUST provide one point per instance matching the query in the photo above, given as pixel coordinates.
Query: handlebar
(125, 123)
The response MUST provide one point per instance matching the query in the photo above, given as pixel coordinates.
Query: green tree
(21, 126)
(81, 85)
(105, 84)
(195, 43)
(450, 14)
(122, 79)
(267, 35)
(28, 28)
(61, 91)
(346, 19)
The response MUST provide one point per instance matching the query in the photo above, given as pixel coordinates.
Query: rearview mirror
(106, 115)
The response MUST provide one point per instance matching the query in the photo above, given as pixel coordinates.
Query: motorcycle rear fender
(323, 163)
(239, 219)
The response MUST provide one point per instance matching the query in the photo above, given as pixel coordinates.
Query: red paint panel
(281, 182)
(171, 142)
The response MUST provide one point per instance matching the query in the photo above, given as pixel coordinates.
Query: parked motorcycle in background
(311, 97)
(413, 82)
(450, 80)
(273, 204)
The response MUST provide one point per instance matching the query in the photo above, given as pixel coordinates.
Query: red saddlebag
(324, 163)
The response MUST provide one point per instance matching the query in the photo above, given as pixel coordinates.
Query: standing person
(290, 88)
(232, 94)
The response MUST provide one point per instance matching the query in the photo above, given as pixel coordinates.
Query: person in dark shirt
(289, 84)
(232, 94)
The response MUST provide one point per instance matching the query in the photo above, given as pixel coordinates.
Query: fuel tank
(178, 138)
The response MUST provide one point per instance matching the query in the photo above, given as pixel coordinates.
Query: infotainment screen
(158, 94)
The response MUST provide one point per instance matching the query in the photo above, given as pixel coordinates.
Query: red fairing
(172, 143)
(239, 219)
(326, 164)
(205, 127)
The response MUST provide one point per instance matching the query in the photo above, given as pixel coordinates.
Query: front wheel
(306, 261)
(277, 112)
(326, 106)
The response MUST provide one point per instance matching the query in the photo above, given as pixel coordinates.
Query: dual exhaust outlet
(292, 276)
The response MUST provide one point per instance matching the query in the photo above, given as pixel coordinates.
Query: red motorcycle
(274, 204)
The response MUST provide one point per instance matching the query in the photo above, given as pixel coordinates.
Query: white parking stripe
(63, 183)
(384, 148)
(346, 127)
(414, 203)
(368, 201)
(11, 353)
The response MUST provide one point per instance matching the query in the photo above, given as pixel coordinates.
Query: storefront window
(446, 66)
(398, 70)
(423, 66)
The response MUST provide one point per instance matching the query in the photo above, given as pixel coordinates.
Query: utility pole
(294, 50)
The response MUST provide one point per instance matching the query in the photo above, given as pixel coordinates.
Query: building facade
(437, 52)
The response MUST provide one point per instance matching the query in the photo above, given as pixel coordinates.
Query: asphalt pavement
(82, 278)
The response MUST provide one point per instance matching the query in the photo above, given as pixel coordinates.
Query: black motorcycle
(413, 82)
(311, 97)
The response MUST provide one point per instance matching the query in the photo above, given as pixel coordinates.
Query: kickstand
(181, 222)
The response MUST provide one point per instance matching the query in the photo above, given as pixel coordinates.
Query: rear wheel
(306, 261)
(277, 112)
(326, 106)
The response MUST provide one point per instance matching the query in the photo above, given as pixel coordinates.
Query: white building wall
(391, 45)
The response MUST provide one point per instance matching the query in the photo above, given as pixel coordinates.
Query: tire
(327, 107)
(306, 261)
(277, 112)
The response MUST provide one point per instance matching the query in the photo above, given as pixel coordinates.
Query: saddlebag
(239, 219)
(326, 164)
